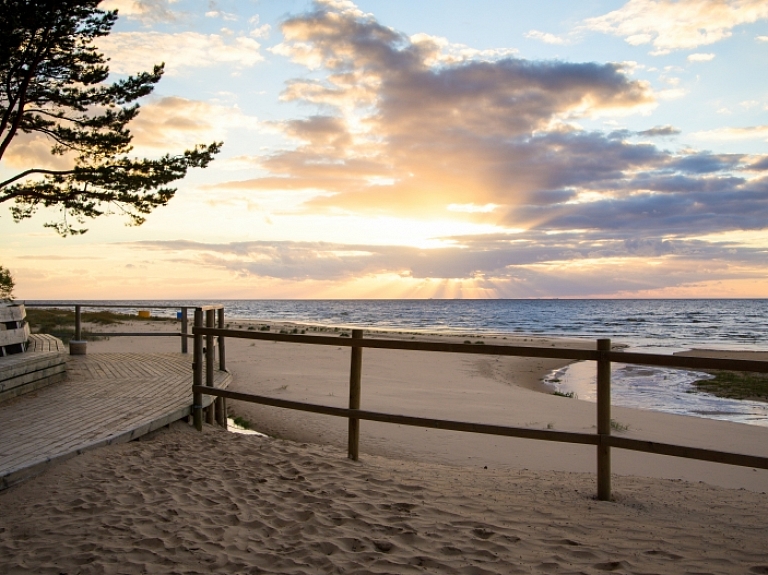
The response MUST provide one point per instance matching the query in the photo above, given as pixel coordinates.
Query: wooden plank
(541, 434)
(503, 430)
(31, 376)
(684, 362)
(13, 312)
(506, 350)
(355, 374)
(135, 334)
(20, 364)
(738, 459)
(110, 398)
(14, 336)
(604, 422)
(678, 361)
(31, 386)
(43, 342)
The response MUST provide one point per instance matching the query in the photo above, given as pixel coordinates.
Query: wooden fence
(603, 355)
(184, 334)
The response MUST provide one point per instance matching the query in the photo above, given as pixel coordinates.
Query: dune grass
(61, 322)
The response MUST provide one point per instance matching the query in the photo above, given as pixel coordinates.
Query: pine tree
(6, 284)
(53, 82)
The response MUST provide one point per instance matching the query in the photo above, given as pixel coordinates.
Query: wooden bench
(14, 330)
(44, 363)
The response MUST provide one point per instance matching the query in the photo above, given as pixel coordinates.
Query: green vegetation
(242, 422)
(6, 284)
(55, 89)
(61, 322)
(735, 385)
(616, 426)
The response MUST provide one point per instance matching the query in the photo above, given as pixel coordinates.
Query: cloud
(146, 11)
(34, 150)
(445, 52)
(681, 25)
(174, 122)
(256, 30)
(540, 265)
(163, 124)
(725, 134)
(659, 131)
(222, 15)
(439, 131)
(701, 57)
(131, 52)
(545, 37)
(394, 130)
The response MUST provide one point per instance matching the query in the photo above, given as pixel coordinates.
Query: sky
(432, 149)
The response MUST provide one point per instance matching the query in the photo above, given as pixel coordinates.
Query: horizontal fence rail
(183, 335)
(603, 356)
(501, 430)
(675, 361)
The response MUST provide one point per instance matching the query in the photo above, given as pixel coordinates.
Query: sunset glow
(386, 149)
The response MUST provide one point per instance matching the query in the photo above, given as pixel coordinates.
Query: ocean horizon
(663, 324)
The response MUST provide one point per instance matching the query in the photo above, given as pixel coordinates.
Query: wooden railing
(603, 355)
(184, 334)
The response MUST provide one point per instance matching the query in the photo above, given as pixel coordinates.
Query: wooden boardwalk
(107, 398)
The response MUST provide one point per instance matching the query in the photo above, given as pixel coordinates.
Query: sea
(650, 326)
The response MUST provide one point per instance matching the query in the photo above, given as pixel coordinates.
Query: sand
(417, 501)
(215, 502)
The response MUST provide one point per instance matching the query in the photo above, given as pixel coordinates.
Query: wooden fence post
(221, 402)
(184, 330)
(78, 323)
(222, 356)
(197, 371)
(210, 359)
(355, 373)
(603, 421)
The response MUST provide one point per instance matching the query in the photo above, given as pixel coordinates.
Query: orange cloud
(439, 126)
(173, 122)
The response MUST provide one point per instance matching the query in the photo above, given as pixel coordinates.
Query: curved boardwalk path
(106, 398)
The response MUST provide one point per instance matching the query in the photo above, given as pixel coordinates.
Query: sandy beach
(417, 501)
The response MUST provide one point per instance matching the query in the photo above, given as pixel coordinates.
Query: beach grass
(242, 422)
(60, 323)
(735, 385)
(618, 426)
